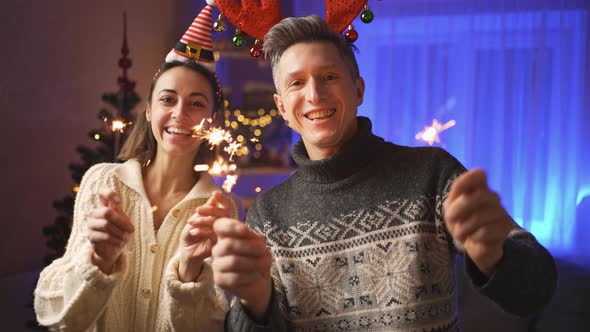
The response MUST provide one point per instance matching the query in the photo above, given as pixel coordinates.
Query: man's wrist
(259, 306)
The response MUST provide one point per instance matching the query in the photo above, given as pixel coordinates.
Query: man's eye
(295, 83)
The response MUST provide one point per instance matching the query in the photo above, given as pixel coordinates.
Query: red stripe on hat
(203, 20)
(193, 34)
(199, 30)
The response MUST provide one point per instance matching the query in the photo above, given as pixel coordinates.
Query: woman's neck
(167, 175)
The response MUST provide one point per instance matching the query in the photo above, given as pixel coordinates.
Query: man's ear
(279, 102)
(359, 85)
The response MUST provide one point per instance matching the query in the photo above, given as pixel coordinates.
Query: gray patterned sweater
(359, 243)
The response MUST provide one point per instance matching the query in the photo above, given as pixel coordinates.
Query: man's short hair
(312, 28)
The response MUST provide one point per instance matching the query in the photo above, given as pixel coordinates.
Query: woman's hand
(197, 238)
(109, 230)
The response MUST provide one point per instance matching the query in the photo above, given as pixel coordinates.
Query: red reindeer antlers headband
(256, 17)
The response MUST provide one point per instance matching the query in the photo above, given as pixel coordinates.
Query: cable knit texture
(144, 292)
(360, 244)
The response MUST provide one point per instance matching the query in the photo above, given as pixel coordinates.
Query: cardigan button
(153, 247)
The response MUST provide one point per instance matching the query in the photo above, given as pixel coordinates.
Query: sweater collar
(129, 173)
(354, 155)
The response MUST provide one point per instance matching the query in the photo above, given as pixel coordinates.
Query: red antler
(339, 13)
(254, 17)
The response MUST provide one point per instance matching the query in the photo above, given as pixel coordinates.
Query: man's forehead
(292, 61)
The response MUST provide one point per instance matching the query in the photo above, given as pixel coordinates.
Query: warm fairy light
(154, 208)
(258, 189)
(230, 182)
(430, 134)
(97, 136)
(201, 168)
(75, 189)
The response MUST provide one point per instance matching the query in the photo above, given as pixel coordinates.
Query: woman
(135, 260)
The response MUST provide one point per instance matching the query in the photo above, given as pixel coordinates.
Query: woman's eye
(166, 99)
(330, 77)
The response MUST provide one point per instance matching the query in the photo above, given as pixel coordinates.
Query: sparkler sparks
(119, 126)
(230, 182)
(216, 137)
(232, 148)
(430, 134)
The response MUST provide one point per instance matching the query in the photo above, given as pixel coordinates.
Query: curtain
(512, 75)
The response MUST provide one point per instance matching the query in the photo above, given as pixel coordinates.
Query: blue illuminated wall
(514, 79)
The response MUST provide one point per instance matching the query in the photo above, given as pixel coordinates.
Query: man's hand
(197, 237)
(475, 218)
(109, 230)
(241, 265)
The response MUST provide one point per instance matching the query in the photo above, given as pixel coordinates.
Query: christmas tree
(108, 140)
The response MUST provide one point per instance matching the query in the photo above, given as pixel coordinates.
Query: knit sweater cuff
(190, 291)
(239, 319)
(523, 281)
(93, 275)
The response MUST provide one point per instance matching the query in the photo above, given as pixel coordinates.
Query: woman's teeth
(178, 131)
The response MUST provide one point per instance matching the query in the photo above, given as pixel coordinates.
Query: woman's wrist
(189, 270)
(106, 266)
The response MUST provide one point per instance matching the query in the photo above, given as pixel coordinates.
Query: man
(363, 236)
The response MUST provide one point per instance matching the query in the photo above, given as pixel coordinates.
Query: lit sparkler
(230, 182)
(430, 134)
(119, 126)
(216, 137)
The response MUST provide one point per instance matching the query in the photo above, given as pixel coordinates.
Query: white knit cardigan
(144, 292)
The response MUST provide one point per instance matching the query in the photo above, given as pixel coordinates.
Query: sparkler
(118, 127)
(430, 134)
(215, 137)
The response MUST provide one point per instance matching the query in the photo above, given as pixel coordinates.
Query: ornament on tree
(367, 15)
(351, 35)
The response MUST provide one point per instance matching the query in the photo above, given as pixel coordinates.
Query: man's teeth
(178, 131)
(320, 114)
